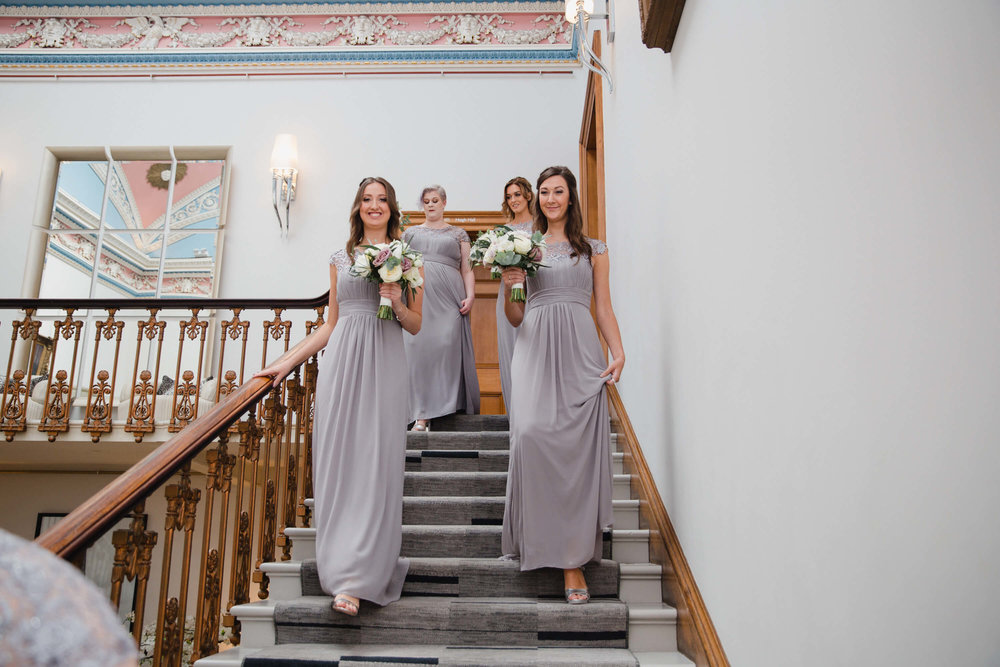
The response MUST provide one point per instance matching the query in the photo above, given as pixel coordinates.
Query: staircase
(461, 605)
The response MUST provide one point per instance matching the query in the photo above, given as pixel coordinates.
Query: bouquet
(502, 246)
(393, 262)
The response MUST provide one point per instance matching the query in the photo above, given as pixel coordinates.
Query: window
(122, 227)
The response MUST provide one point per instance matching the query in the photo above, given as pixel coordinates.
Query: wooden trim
(696, 635)
(166, 304)
(658, 21)
(471, 221)
(592, 155)
(91, 519)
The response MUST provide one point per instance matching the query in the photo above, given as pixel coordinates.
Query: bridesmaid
(516, 207)
(442, 362)
(559, 479)
(359, 436)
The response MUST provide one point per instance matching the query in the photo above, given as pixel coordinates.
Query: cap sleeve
(460, 235)
(598, 247)
(340, 259)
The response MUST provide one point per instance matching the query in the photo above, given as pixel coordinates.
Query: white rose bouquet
(502, 246)
(393, 262)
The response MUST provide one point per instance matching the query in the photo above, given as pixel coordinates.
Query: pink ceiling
(152, 202)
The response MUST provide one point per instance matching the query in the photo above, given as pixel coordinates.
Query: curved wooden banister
(166, 304)
(91, 519)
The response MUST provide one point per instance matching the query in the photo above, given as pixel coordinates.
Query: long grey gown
(506, 334)
(559, 476)
(442, 362)
(359, 447)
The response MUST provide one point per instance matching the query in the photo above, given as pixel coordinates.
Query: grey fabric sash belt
(547, 297)
(447, 261)
(357, 307)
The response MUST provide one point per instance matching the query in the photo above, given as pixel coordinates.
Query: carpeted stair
(461, 604)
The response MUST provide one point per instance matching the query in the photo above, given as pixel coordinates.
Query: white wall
(816, 379)
(469, 133)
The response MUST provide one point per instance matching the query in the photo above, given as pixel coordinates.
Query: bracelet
(400, 319)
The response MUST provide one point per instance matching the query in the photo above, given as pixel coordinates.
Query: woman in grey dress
(559, 477)
(516, 207)
(359, 433)
(441, 359)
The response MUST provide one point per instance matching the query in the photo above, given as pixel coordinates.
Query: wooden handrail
(91, 519)
(166, 304)
(696, 634)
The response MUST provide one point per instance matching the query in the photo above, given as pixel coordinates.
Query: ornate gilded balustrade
(199, 514)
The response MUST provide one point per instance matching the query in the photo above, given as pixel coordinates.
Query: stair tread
(472, 577)
(450, 656)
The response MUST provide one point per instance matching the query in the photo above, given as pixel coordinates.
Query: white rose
(489, 255)
(413, 277)
(503, 245)
(397, 249)
(418, 261)
(362, 268)
(390, 275)
(522, 244)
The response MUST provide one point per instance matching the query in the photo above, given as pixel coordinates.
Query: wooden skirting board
(696, 635)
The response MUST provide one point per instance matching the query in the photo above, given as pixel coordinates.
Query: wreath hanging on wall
(158, 175)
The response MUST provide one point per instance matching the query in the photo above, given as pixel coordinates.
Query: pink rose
(382, 257)
(535, 254)
(407, 264)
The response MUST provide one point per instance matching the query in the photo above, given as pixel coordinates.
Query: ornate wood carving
(15, 392)
(58, 399)
(133, 553)
(101, 394)
(171, 639)
(185, 403)
(142, 401)
(659, 20)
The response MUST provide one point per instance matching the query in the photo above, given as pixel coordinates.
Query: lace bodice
(351, 288)
(563, 279)
(562, 250)
(442, 245)
(51, 615)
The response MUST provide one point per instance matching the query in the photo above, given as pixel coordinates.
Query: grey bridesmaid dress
(506, 334)
(559, 476)
(442, 362)
(359, 447)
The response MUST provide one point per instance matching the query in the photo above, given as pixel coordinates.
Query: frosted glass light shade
(286, 152)
(571, 9)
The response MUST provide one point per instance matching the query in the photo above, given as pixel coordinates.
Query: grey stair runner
(482, 621)
(367, 655)
(459, 422)
(456, 510)
(474, 577)
(461, 604)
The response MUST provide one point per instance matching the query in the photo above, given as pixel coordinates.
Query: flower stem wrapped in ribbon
(502, 246)
(393, 262)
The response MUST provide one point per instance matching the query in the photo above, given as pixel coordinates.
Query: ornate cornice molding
(512, 36)
(342, 8)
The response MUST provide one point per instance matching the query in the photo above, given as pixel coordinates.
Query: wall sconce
(285, 172)
(579, 12)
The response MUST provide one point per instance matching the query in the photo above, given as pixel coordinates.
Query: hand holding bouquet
(502, 246)
(393, 262)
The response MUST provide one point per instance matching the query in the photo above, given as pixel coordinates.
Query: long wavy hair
(525, 186)
(574, 214)
(358, 227)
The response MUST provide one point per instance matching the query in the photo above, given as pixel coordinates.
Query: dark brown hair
(529, 196)
(358, 227)
(574, 215)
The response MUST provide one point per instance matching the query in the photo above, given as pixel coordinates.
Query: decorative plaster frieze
(283, 9)
(151, 32)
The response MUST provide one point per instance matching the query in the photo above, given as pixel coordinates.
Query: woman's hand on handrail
(279, 370)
